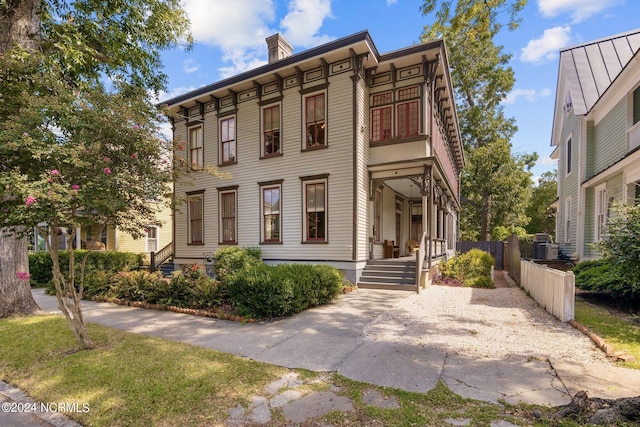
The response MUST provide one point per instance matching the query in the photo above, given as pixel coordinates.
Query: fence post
(569, 297)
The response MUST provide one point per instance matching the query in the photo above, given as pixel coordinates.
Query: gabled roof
(589, 69)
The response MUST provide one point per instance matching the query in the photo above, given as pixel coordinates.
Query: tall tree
(79, 44)
(20, 24)
(495, 183)
(542, 214)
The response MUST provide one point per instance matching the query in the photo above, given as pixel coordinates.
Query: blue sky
(230, 38)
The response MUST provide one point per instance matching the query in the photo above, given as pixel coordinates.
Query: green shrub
(472, 268)
(605, 275)
(262, 291)
(40, 264)
(265, 292)
(232, 259)
(193, 288)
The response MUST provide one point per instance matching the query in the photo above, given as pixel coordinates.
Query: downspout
(354, 234)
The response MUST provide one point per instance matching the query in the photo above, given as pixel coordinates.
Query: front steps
(392, 274)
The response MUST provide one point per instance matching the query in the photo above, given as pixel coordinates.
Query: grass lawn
(135, 380)
(617, 331)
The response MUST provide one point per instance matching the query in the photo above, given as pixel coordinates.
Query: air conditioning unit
(552, 251)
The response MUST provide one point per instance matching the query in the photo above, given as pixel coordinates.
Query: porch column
(429, 218)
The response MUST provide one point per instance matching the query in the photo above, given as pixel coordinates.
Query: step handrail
(158, 258)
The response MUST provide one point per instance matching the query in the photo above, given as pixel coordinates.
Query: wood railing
(633, 136)
(158, 258)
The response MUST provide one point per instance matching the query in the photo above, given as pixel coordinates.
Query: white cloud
(189, 66)
(391, 2)
(239, 28)
(579, 10)
(548, 161)
(303, 21)
(531, 95)
(546, 47)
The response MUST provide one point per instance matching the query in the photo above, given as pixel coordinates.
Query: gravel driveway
(493, 323)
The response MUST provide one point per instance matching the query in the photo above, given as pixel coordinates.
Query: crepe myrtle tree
(91, 156)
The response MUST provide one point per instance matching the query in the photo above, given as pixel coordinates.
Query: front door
(416, 230)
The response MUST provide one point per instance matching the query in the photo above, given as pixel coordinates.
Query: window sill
(315, 148)
(271, 156)
(235, 162)
(195, 244)
(271, 243)
(228, 243)
(314, 242)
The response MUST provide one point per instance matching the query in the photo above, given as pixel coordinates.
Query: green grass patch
(130, 379)
(620, 333)
(135, 380)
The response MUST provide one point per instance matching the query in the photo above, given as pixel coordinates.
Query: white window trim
(567, 220)
(568, 161)
(305, 224)
(600, 207)
(157, 239)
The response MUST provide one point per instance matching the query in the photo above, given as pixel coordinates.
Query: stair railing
(158, 258)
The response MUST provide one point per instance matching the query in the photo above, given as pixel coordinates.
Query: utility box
(552, 251)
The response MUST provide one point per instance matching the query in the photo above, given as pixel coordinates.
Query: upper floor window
(196, 151)
(228, 140)
(315, 120)
(195, 213)
(568, 157)
(271, 130)
(408, 112)
(636, 105)
(271, 219)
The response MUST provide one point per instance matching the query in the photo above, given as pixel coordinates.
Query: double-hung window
(408, 112)
(567, 220)
(377, 215)
(315, 211)
(601, 211)
(152, 238)
(228, 221)
(381, 116)
(315, 120)
(271, 213)
(196, 151)
(271, 130)
(195, 213)
(228, 140)
(568, 156)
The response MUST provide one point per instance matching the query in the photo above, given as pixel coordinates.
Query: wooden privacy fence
(554, 290)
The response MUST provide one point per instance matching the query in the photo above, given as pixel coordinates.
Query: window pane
(319, 108)
(310, 109)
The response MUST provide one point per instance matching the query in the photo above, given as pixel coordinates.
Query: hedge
(40, 264)
(264, 291)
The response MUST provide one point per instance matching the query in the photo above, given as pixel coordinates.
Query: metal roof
(591, 68)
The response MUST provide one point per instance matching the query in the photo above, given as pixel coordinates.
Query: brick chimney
(278, 48)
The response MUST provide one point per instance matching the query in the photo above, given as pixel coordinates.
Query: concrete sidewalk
(330, 338)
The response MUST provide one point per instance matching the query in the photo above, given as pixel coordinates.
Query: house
(332, 153)
(596, 134)
(112, 239)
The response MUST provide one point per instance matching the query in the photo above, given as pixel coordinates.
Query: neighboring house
(112, 239)
(332, 152)
(596, 132)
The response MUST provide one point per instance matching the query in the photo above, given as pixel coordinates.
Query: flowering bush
(473, 268)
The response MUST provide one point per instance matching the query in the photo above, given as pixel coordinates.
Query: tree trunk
(15, 289)
(20, 24)
(68, 297)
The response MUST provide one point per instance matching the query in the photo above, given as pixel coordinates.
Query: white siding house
(596, 134)
(330, 152)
